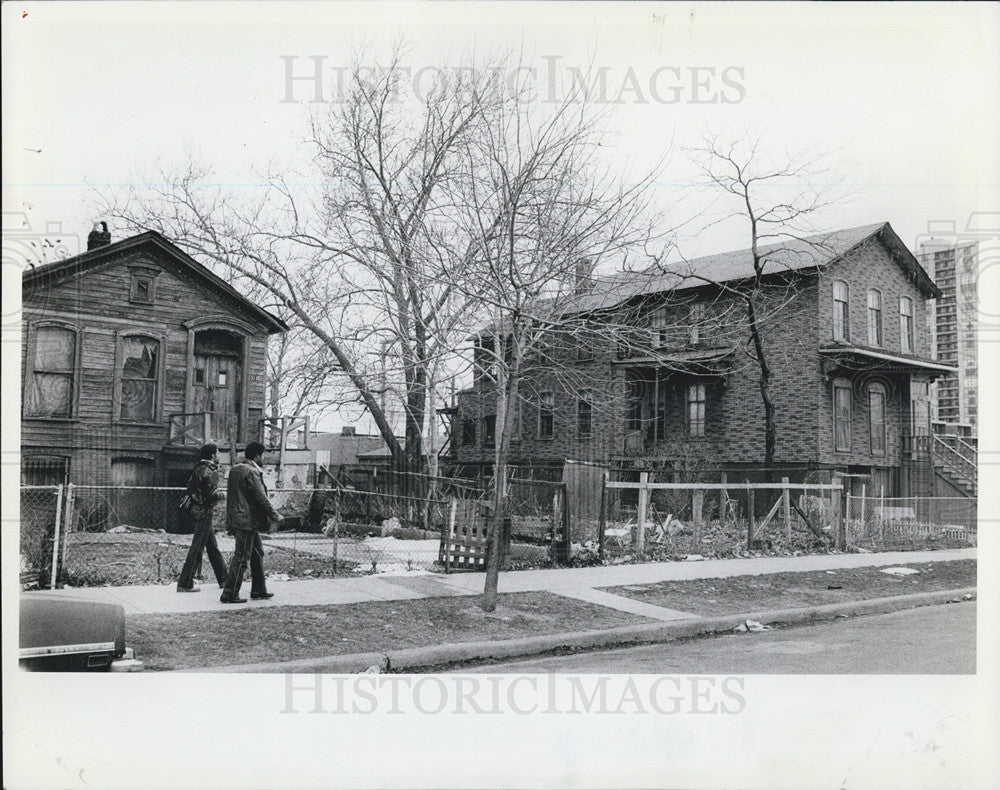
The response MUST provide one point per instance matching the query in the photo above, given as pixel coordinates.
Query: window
(633, 407)
(658, 323)
(142, 284)
(842, 415)
(468, 432)
(546, 415)
(696, 410)
(906, 324)
(48, 392)
(139, 378)
(489, 430)
(584, 414)
(874, 318)
(44, 470)
(876, 418)
(696, 315)
(841, 312)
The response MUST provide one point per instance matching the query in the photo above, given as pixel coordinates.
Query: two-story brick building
(846, 332)
(133, 355)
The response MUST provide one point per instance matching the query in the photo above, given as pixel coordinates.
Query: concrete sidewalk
(580, 583)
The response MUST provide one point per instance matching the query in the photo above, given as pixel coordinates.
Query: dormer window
(142, 284)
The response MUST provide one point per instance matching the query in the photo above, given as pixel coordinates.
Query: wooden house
(133, 356)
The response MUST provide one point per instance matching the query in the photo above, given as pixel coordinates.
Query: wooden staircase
(955, 461)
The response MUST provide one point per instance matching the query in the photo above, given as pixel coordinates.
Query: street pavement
(926, 641)
(579, 583)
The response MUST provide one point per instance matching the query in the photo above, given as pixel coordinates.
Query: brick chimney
(99, 238)
(584, 282)
(348, 430)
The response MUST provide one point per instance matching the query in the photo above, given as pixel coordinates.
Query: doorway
(217, 382)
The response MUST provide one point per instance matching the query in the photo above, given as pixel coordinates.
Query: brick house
(847, 338)
(133, 355)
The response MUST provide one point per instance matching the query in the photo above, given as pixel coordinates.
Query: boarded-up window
(49, 390)
(140, 358)
(842, 415)
(44, 470)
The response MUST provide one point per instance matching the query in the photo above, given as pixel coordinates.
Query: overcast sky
(903, 97)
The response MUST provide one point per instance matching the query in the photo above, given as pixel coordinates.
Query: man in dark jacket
(202, 494)
(248, 513)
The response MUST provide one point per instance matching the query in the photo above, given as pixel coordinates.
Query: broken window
(633, 413)
(468, 432)
(696, 317)
(139, 373)
(489, 430)
(49, 390)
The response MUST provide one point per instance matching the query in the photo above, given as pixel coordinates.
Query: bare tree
(542, 206)
(777, 200)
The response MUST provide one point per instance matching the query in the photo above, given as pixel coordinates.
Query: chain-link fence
(41, 517)
(880, 523)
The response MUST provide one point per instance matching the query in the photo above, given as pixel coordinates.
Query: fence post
(697, 503)
(67, 524)
(864, 494)
(881, 515)
(640, 530)
(55, 537)
(786, 509)
(336, 535)
(602, 519)
(751, 520)
(452, 515)
(723, 499)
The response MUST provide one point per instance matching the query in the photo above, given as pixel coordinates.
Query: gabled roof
(790, 255)
(51, 273)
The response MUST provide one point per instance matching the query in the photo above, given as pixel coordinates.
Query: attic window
(142, 285)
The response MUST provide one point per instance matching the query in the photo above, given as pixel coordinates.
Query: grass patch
(737, 594)
(251, 635)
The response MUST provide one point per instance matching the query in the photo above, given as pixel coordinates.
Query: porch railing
(962, 463)
(192, 429)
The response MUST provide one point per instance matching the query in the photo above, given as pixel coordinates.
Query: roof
(52, 272)
(790, 255)
(872, 358)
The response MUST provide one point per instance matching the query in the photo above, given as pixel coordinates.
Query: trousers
(248, 548)
(202, 541)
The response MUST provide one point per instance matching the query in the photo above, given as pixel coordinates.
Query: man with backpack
(199, 500)
(248, 513)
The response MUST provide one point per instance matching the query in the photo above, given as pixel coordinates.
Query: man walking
(248, 513)
(202, 495)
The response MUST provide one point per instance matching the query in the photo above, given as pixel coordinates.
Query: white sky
(905, 94)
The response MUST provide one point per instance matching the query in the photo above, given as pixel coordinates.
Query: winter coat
(203, 489)
(247, 505)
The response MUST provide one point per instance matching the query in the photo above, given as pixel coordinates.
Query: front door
(217, 387)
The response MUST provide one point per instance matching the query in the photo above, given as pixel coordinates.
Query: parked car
(62, 634)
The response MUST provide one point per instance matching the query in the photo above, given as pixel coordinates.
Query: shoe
(188, 589)
(261, 596)
(226, 599)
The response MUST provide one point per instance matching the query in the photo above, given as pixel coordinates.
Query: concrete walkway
(580, 583)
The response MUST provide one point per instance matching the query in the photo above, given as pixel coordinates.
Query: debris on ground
(122, 528)
(752, 626)
(898, 571)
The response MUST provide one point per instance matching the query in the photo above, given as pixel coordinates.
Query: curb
(423, 658)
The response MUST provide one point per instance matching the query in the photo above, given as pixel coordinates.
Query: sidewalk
(578, 583)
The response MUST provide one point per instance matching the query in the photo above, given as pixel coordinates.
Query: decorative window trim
(875, 323)
(843, 384)
(31, 347)
(845, 335)
(161, 368)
